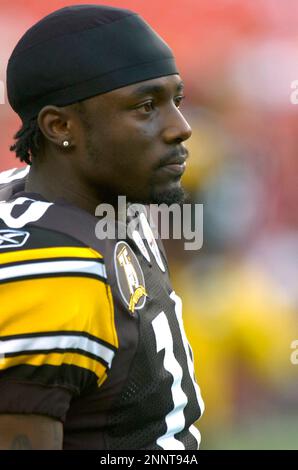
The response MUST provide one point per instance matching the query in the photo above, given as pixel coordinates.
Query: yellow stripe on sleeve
(56, 304)
(44, 253)
(57, 359)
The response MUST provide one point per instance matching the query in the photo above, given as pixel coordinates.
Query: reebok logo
(12, 238)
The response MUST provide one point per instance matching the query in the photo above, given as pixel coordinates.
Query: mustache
(175, 156)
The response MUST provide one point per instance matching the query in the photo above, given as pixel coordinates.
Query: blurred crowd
(238, 59)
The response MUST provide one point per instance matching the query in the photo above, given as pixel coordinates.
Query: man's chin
(175, 195)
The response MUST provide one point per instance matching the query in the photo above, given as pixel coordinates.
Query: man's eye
(178, 100)
(147, 107)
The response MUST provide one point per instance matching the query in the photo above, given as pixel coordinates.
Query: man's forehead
(166, 84)
(171, 83)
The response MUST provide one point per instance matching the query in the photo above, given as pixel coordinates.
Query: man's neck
(58, 187)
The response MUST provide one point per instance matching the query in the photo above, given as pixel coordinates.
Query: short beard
(172, 196)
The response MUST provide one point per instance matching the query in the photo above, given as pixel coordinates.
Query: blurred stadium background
(238, 59)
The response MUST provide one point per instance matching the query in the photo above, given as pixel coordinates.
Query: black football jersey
(91, 330)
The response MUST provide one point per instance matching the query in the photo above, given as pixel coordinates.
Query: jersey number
(175, 419)
(33, 212)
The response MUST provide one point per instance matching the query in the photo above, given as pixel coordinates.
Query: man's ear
(56, 125)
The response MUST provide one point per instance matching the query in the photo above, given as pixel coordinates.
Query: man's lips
(175, 168)
(175, 165)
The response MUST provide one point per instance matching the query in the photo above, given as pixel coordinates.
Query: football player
(93, 350)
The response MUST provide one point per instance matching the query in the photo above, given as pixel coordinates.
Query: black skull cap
(81, 51)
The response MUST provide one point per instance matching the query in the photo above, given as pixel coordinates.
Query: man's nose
(177, 128)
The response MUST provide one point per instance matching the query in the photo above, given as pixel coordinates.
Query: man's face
(132, 142)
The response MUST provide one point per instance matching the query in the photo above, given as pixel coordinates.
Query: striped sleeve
(57, 329)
